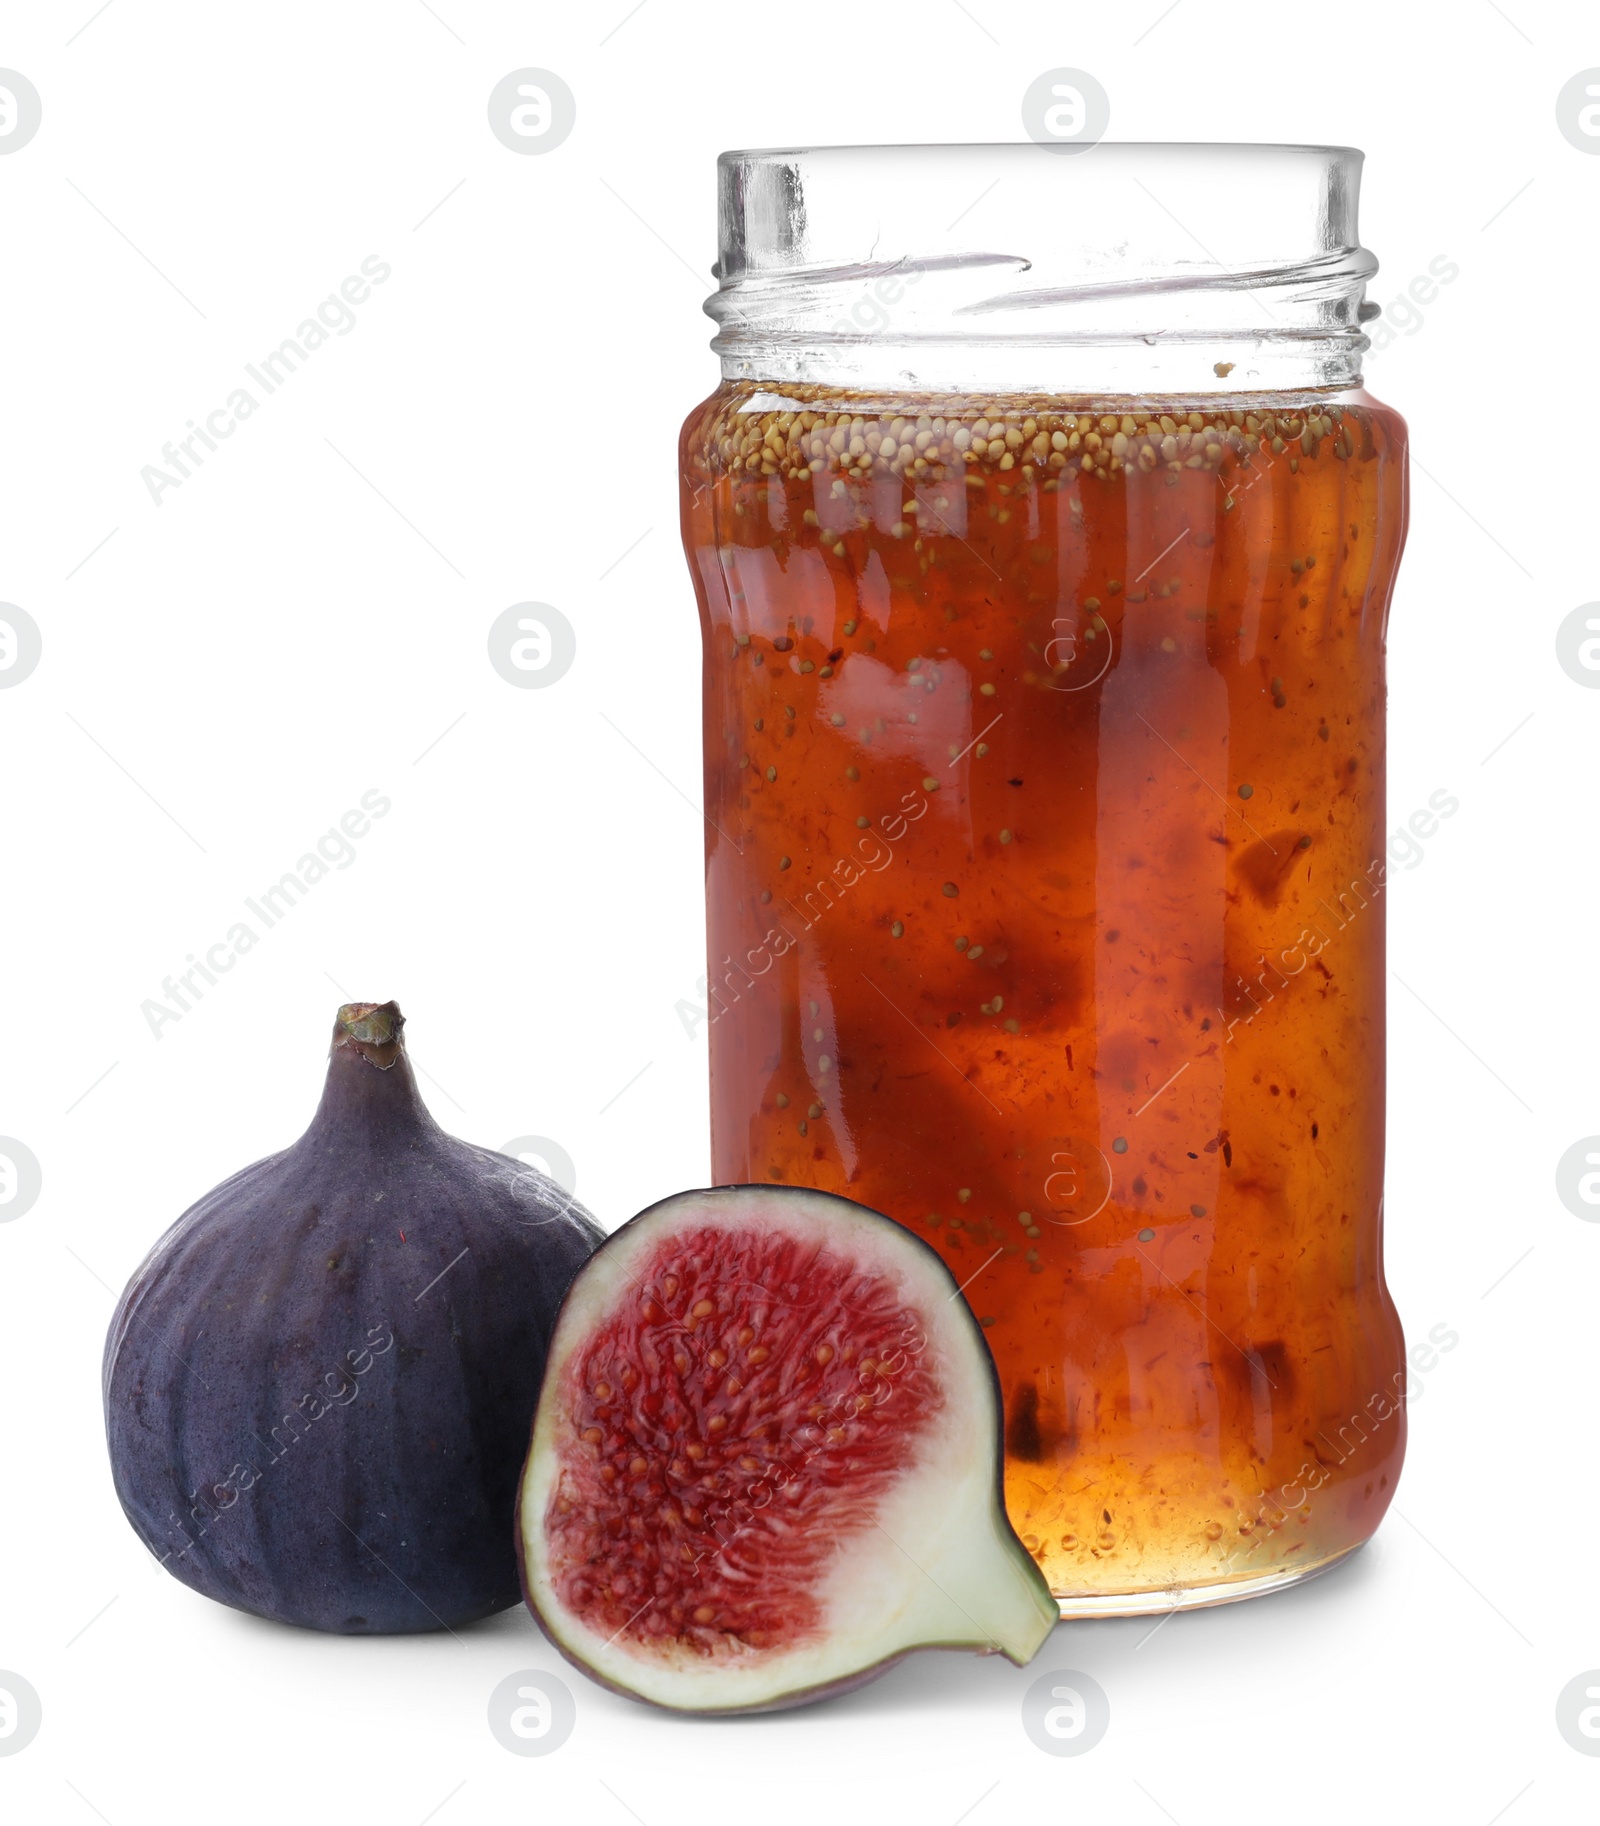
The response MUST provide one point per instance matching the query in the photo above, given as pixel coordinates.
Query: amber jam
(1045, 839)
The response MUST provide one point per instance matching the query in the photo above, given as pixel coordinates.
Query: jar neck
(1136, 270)
(916, 328)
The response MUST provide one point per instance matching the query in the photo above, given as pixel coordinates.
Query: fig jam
(1045, 885)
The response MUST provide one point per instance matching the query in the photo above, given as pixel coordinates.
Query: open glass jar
(1044, 541)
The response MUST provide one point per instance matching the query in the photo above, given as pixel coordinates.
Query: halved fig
(766, 1459)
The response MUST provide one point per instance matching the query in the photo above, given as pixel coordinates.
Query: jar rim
(865, 148)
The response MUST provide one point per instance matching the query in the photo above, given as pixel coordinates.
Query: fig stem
(371, 1029)
(366, 1109)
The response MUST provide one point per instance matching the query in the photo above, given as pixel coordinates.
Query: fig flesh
(319, 1384)
(766, 1459)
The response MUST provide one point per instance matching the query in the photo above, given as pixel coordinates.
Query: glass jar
(1044, 540)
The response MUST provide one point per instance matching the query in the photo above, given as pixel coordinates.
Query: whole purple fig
(319, 1383)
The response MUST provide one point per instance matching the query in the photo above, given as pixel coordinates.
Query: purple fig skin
(319, 1384)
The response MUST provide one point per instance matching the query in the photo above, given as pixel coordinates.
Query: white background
(305, 619)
